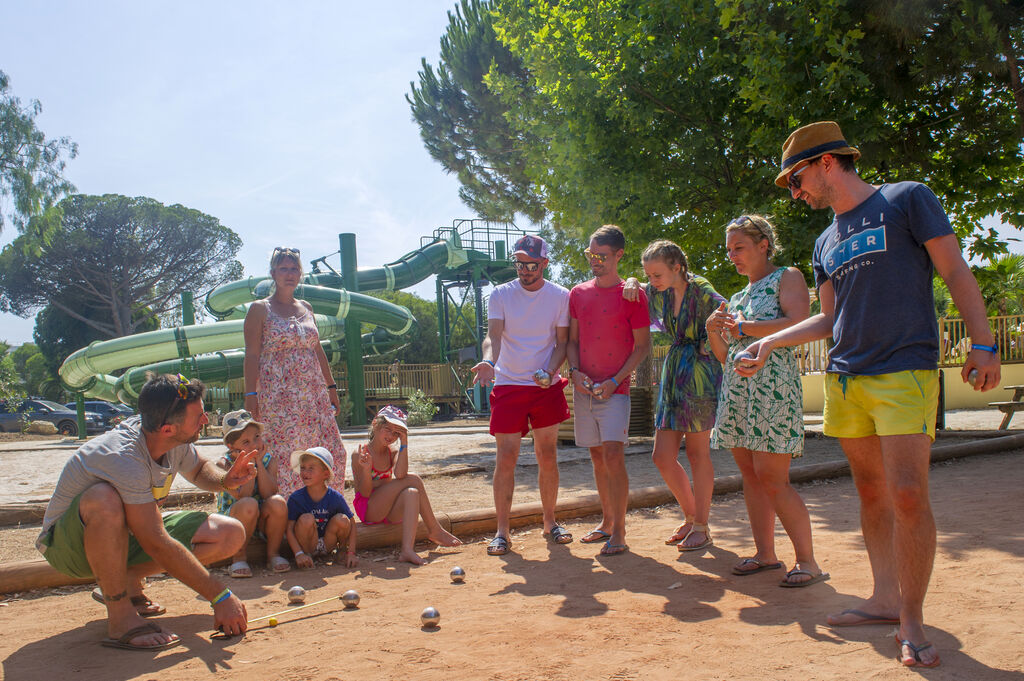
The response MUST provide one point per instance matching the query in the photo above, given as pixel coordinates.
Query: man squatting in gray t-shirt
(873, 267)
(104, 517)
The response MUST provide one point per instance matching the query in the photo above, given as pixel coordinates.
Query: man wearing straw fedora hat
(873, 267)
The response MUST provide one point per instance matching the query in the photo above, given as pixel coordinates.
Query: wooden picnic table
(1012, 407)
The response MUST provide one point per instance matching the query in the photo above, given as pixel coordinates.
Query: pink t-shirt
(606, 321)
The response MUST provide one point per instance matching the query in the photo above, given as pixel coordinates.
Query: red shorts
(517, 408)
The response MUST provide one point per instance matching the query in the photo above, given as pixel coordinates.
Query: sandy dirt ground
(561, 612)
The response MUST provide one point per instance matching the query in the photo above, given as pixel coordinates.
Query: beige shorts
(596, 421)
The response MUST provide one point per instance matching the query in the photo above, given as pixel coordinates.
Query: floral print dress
(690, 376)
(294, 406)
(763, 413)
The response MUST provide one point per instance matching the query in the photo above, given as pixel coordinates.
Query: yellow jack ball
(273, 621)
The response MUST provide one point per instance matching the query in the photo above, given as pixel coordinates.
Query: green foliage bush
(421, 408)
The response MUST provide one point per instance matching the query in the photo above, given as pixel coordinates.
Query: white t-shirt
(118, 457)
(528, 338)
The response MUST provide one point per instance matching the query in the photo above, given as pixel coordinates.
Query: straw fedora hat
(810, 142)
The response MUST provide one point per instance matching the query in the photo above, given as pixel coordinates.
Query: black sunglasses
(794, 181)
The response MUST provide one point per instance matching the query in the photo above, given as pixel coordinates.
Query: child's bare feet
(444, 538)
(411, 557)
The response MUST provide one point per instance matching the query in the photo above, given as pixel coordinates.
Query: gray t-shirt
(874, 256)
(119, 457)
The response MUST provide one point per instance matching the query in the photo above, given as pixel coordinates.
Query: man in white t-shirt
(527, 334)
(104, 518)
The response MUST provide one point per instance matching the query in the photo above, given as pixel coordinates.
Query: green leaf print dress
(762, 413)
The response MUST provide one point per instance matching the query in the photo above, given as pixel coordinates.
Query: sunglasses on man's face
(527, 266)
(599, 257)
(794, 180)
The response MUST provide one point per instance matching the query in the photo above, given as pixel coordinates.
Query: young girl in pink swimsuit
(386, 492)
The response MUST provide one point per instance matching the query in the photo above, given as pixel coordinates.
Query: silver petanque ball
(743, 359)
(350, 598)
(430, 617)
(296, 594)
(972, 377)
(543, 377)
(458, 575)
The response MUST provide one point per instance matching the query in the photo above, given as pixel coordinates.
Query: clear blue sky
(287, 121)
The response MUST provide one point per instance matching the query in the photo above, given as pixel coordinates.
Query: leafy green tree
(667, 118)
(31, 166)
(117, 263)
(1002, 284)
(10, 385)
(465, 126)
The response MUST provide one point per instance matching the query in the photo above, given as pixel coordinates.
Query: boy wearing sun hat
(873, 268)
(319, 518)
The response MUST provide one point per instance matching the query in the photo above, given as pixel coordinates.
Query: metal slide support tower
(353, 339)
(486, 246)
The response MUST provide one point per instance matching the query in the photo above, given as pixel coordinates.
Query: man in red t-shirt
(608, 336)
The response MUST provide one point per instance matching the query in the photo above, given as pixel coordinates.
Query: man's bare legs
(891, 475)
(612, 481)
(545, 448)
(876, 522)
(505, 478)
(906, 459)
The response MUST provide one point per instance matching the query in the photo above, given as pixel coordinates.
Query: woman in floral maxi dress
(679, 303)
(288, 381)
(760, 418)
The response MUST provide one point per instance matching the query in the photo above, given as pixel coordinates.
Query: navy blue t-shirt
(874, 256)
(331, 504)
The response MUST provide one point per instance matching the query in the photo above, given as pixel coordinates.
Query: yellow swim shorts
(900, 403)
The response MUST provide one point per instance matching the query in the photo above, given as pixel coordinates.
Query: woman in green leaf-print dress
(760, 418)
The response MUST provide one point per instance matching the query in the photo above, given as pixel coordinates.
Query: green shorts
(900, 403)
(65, 541)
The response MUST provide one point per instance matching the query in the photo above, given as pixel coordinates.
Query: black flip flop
(123, 641)
(760, 567)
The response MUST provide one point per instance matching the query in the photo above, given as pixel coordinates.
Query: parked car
(110, 414)
(66, 420)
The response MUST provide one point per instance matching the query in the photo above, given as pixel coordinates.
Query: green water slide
(211, 352)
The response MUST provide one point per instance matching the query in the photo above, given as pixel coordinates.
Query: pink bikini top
(385, 474)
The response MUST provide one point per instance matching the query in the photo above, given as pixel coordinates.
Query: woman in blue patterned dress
(680, 302)
(760, 418)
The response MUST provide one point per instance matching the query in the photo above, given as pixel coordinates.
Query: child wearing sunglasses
(256, 504)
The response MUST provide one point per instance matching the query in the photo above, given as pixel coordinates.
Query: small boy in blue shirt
(319, 519)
